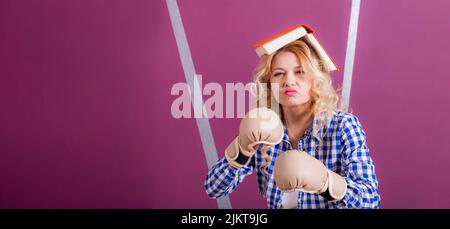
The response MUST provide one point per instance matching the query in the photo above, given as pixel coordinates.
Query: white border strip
(204, 128)
(350, 53)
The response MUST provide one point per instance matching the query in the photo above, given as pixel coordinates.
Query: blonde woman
(314, 156)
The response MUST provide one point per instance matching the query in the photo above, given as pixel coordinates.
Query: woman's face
(290, 84)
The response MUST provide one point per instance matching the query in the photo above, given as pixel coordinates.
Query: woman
(330, 141)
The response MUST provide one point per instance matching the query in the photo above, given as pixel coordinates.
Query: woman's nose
(289, 79)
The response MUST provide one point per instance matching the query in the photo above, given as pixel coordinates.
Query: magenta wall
(85, 97)
(401, 92)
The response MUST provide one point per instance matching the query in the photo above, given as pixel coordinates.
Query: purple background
(85, 97)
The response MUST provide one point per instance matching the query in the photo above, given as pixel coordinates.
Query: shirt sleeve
(362, 184)
(222, 178)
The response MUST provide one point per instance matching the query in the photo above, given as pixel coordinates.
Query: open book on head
(303, 32)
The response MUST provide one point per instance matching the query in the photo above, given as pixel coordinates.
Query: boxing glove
(259, 126)
(297, 171)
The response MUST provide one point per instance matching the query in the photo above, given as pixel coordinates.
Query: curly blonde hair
(324, 97)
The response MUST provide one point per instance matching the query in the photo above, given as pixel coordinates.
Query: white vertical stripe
(204, 128)
(350, 53)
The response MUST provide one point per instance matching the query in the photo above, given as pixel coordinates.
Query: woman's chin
(291, 102)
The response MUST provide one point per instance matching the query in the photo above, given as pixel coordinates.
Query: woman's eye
(300, 72)
(278, 74)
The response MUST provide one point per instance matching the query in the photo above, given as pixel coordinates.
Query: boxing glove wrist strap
(327, 195)
(241, 158)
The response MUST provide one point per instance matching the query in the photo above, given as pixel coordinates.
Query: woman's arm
(362, 184)
(260, 126)
(222, 178)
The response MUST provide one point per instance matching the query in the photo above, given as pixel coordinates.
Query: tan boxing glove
(259, 126)
(297, 171)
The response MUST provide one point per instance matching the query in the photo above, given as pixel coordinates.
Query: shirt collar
(308, 132)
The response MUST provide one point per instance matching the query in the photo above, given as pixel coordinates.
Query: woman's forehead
(286, 59)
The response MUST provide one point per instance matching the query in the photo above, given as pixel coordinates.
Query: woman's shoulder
(344, 119)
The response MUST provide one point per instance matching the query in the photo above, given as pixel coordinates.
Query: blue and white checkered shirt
(344, 151)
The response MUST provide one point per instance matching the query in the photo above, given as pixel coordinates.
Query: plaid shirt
(344, 151)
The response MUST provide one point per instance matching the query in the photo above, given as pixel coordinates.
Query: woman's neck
(298, 119)
(301, 114)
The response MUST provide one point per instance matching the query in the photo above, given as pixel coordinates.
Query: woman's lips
(290, 92)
